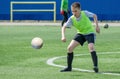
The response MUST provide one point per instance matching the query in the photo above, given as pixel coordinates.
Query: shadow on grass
(115, 73)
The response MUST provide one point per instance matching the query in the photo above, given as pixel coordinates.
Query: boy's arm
(63, 33)
(94, 16)
(67, 24)
(96, 23)
(61, 8)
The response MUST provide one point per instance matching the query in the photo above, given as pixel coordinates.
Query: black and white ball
(37, 43)
(106, 26)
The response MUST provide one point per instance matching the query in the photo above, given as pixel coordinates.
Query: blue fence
(105, 9)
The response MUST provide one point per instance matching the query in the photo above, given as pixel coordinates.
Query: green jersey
(83, 26)
(64, 5)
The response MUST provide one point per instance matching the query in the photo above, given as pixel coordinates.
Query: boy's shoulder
(72, 16)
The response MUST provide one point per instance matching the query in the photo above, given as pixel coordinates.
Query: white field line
(50, 23)
(30, 24)
(51, 62)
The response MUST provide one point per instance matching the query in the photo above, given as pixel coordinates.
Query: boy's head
(76, 8)
(76, 5)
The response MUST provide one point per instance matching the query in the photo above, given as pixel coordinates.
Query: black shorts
(90, 38)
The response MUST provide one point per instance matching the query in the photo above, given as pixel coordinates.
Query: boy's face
(75, 12)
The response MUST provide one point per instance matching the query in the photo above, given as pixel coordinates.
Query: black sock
(94, 58)
(69, 60)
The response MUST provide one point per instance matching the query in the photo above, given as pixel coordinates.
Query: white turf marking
(51, 62)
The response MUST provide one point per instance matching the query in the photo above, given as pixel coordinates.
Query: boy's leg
(69, 62)
(95, 60)
(65, 18)
(94, 56)
(70, 55)
(91, 40)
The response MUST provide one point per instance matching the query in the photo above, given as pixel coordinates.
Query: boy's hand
(97, 29)
(63, 39)
(62, 12)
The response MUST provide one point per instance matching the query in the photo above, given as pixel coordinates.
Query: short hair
(76, 5)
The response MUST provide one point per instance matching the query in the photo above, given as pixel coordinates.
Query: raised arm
(96, 23)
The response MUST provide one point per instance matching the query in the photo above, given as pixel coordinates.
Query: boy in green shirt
(64, 11)
(85, 32)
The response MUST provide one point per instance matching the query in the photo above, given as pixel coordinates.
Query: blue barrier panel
(105, 9)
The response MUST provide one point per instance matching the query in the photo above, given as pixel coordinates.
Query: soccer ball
(106, 26)
(37, 43)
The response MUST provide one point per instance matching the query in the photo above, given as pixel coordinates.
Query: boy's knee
(69, 49)
(91, 47)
